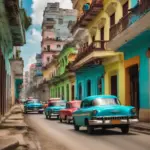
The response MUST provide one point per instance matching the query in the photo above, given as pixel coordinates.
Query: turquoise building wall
(93, 73)
(138, 47)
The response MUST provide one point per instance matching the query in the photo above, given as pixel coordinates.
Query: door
(80, 91)
(112, 19)
(114, 89)
(125, 9)
(72, 91)
(134, 86)
(102, 37)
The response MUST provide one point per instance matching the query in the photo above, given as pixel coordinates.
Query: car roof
(74, 101)
(91, 98)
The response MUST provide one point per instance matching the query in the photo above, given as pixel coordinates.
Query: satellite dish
(86, 7)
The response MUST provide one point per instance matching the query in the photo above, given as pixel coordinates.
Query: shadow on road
(99, 132)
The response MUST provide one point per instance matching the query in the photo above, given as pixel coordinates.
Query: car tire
(90, 129)
(60, 120)
(125, 130)
(76, 127)
(25, 112)
(40, 112)
(67, 120)
(57, 116)
(46, 116)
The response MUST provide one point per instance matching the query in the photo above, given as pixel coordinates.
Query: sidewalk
(14, 131)
(142, 127)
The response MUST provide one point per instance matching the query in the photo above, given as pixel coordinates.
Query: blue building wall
(138, 47)
(93, 73)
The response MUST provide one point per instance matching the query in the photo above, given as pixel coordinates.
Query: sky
(35, 8)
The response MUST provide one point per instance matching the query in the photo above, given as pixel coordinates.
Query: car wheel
(68, 120)
(25, 112)
(57, 116)
(76, 127)
(125, 130)
(46, 116)
(90, 129)
(49, 114)
(40, 112)
(60, 119)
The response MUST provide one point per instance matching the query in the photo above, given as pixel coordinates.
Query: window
(50, 19)
(48, 59)
(89, 88)
(60, 21)
(85, 104)
(112, 19)
(49, 27)
(58, 46)
(48, 47)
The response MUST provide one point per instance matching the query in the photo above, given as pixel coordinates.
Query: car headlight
(133, 111)
(94, 112)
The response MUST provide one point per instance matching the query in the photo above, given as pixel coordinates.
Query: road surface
(54, 135)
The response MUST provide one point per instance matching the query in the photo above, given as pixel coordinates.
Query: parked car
(53, 108)
(66, 114)
(49, 101)
(104, 111)
(33, 105)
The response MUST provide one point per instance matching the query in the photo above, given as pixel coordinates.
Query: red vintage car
(66, 114)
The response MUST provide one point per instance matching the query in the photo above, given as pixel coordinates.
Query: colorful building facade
(12, 34)
(117, 40)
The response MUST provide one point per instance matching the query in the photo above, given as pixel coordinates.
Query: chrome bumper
(35, 109)
(110, 122)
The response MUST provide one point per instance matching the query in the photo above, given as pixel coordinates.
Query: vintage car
(66, 114)
(53, 108)
(104, 111)
(49, 101)
(33, 105)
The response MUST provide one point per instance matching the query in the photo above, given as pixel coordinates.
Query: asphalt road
(54, 135)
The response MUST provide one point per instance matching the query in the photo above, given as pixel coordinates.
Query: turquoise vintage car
(33, 105)
(54, 107)
(104, 111)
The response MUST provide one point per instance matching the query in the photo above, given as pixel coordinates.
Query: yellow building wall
(116, 68)
(103, 18)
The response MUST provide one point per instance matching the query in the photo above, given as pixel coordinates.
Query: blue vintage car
(33, 105)
(104, 111)
(53, 108)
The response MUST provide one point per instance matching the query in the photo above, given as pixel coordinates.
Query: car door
(83, 113)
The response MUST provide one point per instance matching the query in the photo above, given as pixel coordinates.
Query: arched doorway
(80, 91)
(88, 87)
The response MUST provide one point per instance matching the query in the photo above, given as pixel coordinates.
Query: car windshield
(34, 101)
(58, 103)
(105, 101)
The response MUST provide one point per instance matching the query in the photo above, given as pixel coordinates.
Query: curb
(140, 129)
(9, 146)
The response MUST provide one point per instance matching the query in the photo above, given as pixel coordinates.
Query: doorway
(102, 37)
(72, 91)
(80, 91)
(114, 83)
(134, 86)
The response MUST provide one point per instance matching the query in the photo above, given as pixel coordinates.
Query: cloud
(38, 7)
(35, 36)
(31, 60)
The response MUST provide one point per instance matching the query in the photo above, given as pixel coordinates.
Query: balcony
(131, 25)
(18, 71)
(16, 22)
(51, 22)
(92, 53)
(83, 21)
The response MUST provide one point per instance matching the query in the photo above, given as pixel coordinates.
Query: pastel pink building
(55, 30)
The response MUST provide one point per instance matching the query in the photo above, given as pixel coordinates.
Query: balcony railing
(127, 20)
(88, 16)
(87, 49)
